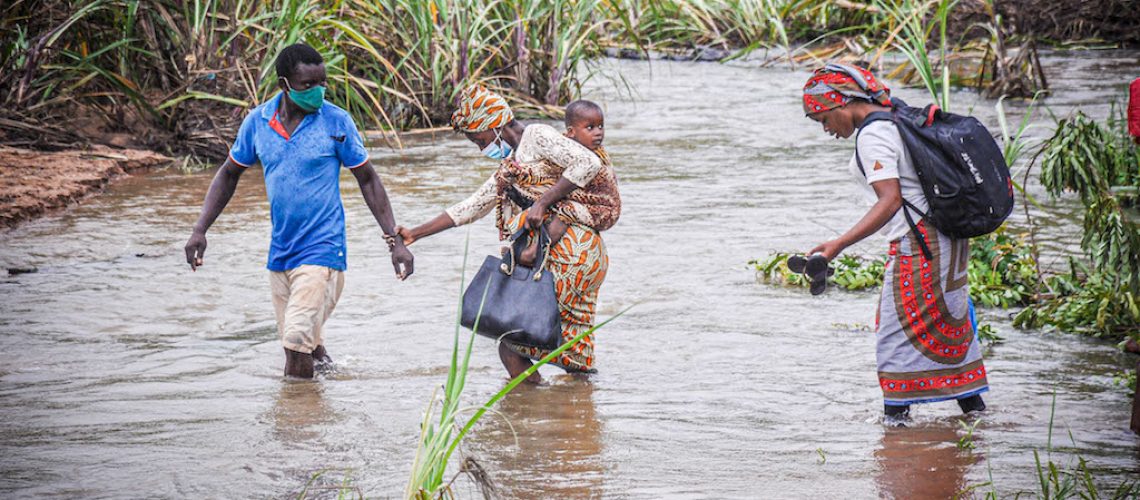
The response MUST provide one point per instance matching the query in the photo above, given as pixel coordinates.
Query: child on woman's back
(585, 124)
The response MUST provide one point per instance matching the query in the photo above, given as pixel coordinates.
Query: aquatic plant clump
(851, 272)
(1101, 165)
(1002, 269)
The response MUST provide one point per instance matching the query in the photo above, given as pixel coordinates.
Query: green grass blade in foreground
(435, 444)
(522, 376)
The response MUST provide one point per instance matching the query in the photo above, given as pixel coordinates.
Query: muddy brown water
(129, 376)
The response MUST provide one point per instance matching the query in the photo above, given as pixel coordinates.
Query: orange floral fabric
(579, 263)
(480, 109)
(597, 205)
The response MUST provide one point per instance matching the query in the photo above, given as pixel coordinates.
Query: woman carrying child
(543, 177)
(926, 349)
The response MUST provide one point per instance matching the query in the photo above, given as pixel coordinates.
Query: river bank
(33, 183)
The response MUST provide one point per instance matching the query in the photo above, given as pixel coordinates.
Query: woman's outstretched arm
(475, 207)
(439, 223)
(890, 200)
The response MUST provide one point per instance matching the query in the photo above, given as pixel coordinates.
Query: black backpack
(960, 166)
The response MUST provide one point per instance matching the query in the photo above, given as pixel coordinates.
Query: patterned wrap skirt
(926, 346)
(579, 263)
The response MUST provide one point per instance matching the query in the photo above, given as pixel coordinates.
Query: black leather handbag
(520, 304)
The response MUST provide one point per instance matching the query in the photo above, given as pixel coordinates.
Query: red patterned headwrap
(834, 85)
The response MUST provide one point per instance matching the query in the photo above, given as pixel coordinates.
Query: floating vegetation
(1002, 270)
(851, 272)
(1101, 165)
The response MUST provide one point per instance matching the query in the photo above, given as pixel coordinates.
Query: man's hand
(221, 190)
(534, 215)
(195, 249)
(829, 249)
(402, 261)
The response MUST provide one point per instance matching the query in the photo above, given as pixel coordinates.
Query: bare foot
(298, 364)
(322, 362)
(516, 364)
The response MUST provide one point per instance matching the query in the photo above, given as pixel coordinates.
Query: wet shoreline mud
(33, 183)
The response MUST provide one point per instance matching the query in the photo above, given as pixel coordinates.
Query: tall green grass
(1058, 480)
(911, 36)
(184, 66)
(189, 67)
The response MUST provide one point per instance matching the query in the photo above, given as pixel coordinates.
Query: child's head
(585, 123)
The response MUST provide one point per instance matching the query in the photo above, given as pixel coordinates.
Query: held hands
(195, 249)
(829, 249)
(405, 234)
(402, 261)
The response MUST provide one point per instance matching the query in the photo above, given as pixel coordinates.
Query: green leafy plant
(1126, 379)
(988, 335)
(966, 442)
(1095, 161)
(1100, 298)
(1002, 270)
(1087, 302)
(851, 272)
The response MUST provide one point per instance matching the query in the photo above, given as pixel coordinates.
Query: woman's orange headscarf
(480, 109)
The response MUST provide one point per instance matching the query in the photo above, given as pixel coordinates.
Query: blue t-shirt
(302, 178)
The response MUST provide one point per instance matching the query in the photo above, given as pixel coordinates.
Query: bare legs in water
(516, 364)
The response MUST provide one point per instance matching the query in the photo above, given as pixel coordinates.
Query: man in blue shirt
(302, 142)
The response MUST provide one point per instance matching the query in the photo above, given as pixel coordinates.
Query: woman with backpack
(926, 348)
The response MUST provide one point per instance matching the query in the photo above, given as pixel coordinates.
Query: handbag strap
(518, 242)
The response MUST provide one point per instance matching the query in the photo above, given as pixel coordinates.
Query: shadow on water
(923, 461)
(301, 412)
(545, 438)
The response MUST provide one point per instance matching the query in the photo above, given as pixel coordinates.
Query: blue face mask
(497, 149)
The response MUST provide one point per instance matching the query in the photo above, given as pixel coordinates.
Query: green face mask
(308, 100)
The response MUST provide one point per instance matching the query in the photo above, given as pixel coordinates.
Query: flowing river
(127, 375)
